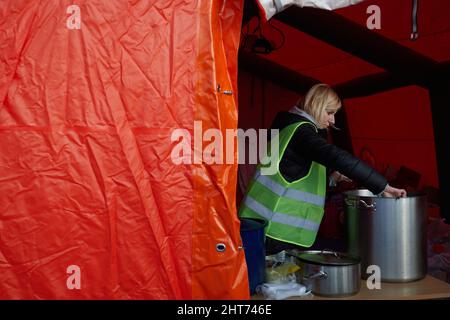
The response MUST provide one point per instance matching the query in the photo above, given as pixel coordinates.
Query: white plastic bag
(279, 291)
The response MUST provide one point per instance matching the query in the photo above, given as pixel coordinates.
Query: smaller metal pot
(328, 273)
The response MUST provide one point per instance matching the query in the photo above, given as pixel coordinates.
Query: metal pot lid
(324, 257)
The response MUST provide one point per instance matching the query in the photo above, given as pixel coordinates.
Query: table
(427, 288)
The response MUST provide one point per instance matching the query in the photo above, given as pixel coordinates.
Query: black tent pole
(440, 103)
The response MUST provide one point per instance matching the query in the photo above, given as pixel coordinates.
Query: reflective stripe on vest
(287, 192)
(280, 217)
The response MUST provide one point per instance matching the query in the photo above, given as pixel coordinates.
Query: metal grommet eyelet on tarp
(221, 247)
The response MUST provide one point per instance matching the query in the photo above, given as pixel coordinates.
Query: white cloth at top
(271, 7)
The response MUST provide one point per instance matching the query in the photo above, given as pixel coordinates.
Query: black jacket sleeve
(310, 145)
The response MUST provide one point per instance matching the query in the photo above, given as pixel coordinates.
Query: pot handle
(334, 253)
(320, 274)
(372, 205)
(365, 204)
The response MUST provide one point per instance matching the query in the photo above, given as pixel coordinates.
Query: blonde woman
(292, 200)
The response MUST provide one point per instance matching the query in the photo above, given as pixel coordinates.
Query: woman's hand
(339, 177)
(392, 192)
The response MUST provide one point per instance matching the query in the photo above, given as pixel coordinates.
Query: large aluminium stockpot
(388, 233)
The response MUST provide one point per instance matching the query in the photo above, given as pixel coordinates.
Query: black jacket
(307, 145)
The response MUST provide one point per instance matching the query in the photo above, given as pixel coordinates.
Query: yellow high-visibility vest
(294, 209)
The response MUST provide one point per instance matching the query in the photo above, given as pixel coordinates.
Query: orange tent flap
(91, 204)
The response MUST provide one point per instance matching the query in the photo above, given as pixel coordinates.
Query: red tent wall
(260, 100)
(86, 176)
(396, 127)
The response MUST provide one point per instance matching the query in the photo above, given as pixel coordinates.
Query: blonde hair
(318, 98)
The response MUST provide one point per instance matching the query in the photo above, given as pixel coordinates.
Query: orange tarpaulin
(90, 94)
